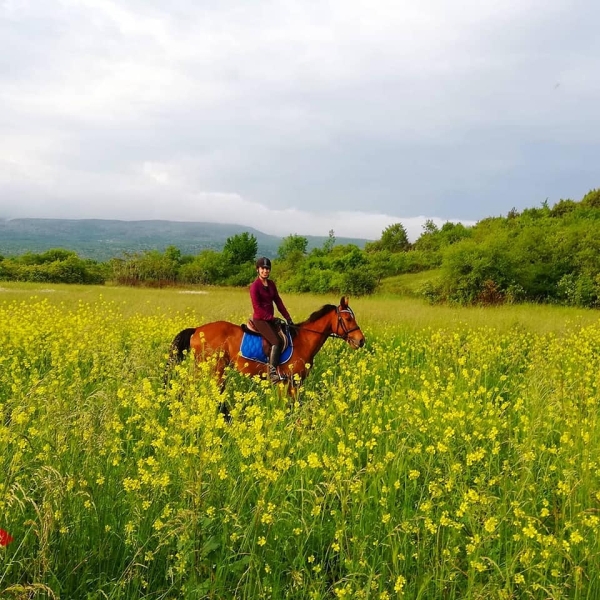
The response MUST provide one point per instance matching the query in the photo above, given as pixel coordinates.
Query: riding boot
(274, 375)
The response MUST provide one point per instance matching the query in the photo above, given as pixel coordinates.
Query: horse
(222, 340)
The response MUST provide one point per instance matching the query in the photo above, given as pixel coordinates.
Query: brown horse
(222, 340)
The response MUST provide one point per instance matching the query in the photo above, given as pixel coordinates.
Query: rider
(263, 293)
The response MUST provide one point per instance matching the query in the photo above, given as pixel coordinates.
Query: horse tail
(179, 345)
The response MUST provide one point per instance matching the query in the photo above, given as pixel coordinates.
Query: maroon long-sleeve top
(263, 298)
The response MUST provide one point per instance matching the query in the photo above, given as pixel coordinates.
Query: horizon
(224, 224)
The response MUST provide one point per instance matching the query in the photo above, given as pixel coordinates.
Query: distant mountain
(104, 239)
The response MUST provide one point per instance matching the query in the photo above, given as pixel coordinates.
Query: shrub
(579, 290)
(358, 282)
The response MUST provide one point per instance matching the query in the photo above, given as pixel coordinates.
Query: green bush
(53, 266)
(579, 290)
(358, 282)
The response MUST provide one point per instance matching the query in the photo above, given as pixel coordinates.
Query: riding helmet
(263, 261)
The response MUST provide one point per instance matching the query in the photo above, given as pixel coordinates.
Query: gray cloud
(345, 115)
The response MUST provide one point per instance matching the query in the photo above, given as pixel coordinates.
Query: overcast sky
(297, 117)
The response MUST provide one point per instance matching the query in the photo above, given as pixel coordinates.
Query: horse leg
(220, 374)
(223, 409)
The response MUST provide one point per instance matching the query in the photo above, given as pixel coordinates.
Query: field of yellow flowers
(456, 456)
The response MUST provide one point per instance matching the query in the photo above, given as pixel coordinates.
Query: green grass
(408, 284)
(375, 311)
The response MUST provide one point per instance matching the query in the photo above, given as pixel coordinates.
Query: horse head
(347, 328)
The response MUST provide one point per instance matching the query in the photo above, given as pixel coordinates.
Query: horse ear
(344, 302)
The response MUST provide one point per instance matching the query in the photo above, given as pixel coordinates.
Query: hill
(101, 239)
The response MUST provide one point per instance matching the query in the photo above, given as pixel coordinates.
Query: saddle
(255, 347)
(282, 332)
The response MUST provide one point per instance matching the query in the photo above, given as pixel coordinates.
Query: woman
(263, 293)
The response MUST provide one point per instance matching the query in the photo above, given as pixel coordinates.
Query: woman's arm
(279, 303)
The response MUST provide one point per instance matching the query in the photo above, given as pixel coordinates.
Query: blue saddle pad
(251, 348)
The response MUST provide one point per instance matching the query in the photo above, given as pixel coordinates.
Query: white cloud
(307, 112)
(163, 191)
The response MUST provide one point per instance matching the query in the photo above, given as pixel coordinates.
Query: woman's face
(264, 272)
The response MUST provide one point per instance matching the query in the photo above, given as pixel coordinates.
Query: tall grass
(456, 456)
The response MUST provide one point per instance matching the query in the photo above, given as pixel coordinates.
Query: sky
(297, 116)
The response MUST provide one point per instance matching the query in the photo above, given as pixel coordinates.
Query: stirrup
(275, 376)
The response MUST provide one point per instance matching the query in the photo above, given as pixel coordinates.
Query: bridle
(340, 323)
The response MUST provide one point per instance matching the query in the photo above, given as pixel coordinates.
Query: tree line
(545, 254)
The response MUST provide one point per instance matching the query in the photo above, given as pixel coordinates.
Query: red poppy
(5, 538)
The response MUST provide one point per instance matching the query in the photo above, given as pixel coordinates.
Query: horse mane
(321, 312)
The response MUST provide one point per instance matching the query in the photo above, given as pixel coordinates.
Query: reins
(333, 334)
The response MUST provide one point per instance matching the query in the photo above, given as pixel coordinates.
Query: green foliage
(242, 275)
(240, 248)
(343, 258)
(434, 239)
(292, 245)
(536, 213)
(50, 256)
(380, 264)
(591, 199)
(468, 266)
(154, 268)
(340, 269)
(358, 282)
(543, 254)
(329, 242)
(323, 281)
(393, 239)
(208, 267)
(102, 240)
(53, 266)
(173, 255)
(580, 290)
(149, 268)
(563, 207)
(451, 233)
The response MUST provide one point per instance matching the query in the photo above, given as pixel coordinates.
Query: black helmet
(263, 261)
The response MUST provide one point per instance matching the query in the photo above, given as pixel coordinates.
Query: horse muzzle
(356, 343)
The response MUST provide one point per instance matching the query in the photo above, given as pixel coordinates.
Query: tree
(292, 245)
(430, 239)
(156, 268)
(240, 248)
(56, 254)
(563, 207)
(208, 267)
(173, 254)
(451, 233)
(393, 239)
(592, 199)
(52, 255)
(346, 257)
(430, 227)
(359, 282)
(329, 242)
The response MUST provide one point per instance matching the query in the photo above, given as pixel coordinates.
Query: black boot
(273, 363)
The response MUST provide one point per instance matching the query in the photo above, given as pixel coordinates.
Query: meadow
(456, 456)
